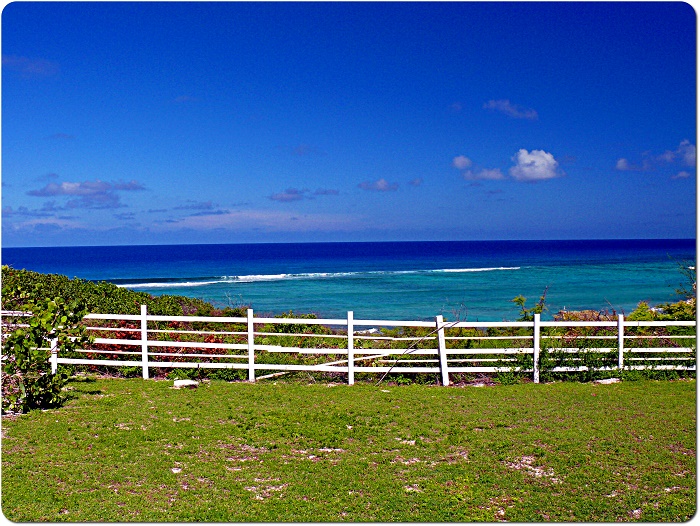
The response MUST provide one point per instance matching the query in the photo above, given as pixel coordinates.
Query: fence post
(54, 356)
(620, 341)
(536, 349)
(442, 351)
(351, 350)
(144, 341)
(251, 347)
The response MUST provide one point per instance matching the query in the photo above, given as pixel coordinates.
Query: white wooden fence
(356, 346)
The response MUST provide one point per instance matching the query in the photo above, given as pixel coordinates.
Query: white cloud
(512, 110)
(267, 220)
(683, 156)
(681, 175)
(57, 222)
(67, 188)
(290, 194)
(492, 174)
(461, 162)
(465, 164)
(96, 187)
(668, 156)
(92, 194)
(536, 165)
(622, 164)
(687, 153)
(416, 182)
(380, 185)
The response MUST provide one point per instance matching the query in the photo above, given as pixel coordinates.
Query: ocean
(469, 280)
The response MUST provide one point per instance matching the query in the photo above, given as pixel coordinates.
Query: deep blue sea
(475, 280)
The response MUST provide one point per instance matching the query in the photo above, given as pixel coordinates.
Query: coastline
(108, 298)
(401, 280)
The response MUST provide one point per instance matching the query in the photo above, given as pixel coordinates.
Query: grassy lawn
(135, 450)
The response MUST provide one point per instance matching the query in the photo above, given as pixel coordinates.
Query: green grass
(135, 450)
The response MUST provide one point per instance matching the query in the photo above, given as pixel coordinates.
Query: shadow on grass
(81, 380)
(76, 387)
(75, 394)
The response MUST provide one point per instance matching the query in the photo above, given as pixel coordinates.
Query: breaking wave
(158, 283)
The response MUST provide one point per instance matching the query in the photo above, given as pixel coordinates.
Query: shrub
(517, 367)
(228, 375)
(184, 374)
(130, 371)
(27, 381)
(529, 314)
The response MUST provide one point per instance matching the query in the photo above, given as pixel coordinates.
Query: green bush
(27, 381)
(228, 375)
(517, 366)
(99, 297)
(130, 371)
(183, 374)
(509, 377)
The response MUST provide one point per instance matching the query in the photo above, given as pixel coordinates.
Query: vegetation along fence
(347, 346)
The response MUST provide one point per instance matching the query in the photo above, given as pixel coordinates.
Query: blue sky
(150, 123)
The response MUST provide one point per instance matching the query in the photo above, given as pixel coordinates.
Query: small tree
(27, 381)
(529, 314)
(688, 287)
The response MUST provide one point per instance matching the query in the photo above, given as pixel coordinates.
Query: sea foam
(252, 278)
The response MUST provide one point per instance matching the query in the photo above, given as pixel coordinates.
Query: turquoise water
(470, 280)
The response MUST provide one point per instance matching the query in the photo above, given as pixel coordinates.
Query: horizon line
(354, 242)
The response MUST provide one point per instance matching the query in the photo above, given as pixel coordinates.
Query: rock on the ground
(191, 384)
(608, 381)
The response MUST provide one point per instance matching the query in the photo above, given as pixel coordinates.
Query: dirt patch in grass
(527, 465)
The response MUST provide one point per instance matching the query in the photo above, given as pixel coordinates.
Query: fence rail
(348, 346)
